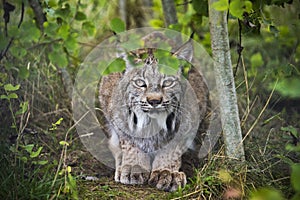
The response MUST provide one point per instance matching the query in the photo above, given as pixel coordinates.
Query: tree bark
(123, 10)
(38, 12)
(169, 12)
(232, 133)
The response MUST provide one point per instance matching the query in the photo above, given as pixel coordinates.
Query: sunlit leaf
(35, 154)
(220, 5)
(236, 8)
(63, 31)
(248, 6)
(12, 96)
(64, 143)
(3, 96)
(23, 108)
(117, 25)
(156, 23)
(58, 122)
(10, 87)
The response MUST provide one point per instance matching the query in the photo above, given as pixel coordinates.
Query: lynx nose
(154, 101)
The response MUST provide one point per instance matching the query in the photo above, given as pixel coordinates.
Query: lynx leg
(135, 168)
(114, 146)
(165, 173)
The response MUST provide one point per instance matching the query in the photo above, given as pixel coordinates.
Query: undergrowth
(42, 157)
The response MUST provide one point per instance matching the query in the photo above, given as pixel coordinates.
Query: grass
(61, 178)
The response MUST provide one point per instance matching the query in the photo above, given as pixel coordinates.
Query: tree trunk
(123, 10)
(169, 12)
(38, 12)
(225, 84)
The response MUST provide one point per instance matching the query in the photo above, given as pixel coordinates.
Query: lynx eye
(140, 83)
(168, 83)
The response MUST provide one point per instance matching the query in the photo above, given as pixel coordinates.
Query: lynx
(150, 121)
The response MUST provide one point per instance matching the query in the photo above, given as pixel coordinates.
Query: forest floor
(267, 166)
(267, 163)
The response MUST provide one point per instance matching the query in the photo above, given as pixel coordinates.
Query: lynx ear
(186, 51)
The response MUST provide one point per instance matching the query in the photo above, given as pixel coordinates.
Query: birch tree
(232, 133)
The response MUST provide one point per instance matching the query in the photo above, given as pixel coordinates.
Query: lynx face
(153, 96)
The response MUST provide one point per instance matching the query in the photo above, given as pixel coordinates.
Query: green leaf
(35, 154)
(12, 96)
(10, 87)
(28, 148)
(63, 143)
(71, 43)
(24, 159)
(3, 96)
(23, 72)
(63, 31)
(290, 129)
(58, 122)
(117, 25)
(89, 28)
(156, 23)
(80, 16)
(118, 65)
(236, 8)
(52, 3)
(58, 58)
(220, 5)
(50, 29)
(266, 194)
(295, 177)
(64, 13)
(23, 108)
(18, 51)
(256, 60)
(42, 162)
(29, 32)
(248, 6)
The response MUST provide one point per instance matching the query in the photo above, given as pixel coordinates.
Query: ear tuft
(186, 50)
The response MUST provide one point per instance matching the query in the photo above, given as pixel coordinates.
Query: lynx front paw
(167, 180)
(133, 175)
